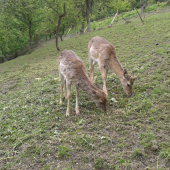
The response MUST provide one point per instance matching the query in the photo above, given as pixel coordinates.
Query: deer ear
(94, 92)
(133, 78)
(125, 73)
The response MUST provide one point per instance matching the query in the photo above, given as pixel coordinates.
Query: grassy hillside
(133, 135)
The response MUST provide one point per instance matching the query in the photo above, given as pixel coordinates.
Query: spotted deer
(72, 71)
(104, 53)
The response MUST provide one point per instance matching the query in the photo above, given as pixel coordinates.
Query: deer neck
(87, 86)
(116, 67)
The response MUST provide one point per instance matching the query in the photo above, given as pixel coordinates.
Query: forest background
(25, 22)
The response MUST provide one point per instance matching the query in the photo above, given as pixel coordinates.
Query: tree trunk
(50, 36)
(15, 55)
(56, 40)
(58, 26)
(82, 28)
(30, 36)
(61, 37)
(30, 41)
(142, 8)
(143, 3)
(57, 32)
(87, 16)
(46, 37)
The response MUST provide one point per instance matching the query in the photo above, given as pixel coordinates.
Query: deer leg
(104, 77)
(62, 84)
(93, 81)
(68, 86)
(65, 89)
(77, 97)
(92, 64)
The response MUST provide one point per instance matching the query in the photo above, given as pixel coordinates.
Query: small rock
(154, 148)
(38, 79)
(127, 22)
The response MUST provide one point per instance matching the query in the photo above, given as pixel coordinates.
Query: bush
(168, 3)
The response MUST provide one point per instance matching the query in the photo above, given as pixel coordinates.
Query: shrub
(168, 3)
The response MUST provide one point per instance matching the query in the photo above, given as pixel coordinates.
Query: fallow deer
(72, 71)
(104, 53)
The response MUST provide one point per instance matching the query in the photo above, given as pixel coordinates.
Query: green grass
(134, 134)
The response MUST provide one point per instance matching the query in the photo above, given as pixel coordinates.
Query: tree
(28, 12)
(89, 7)
(69, 21)
(100, 10)
(12, 33)
(64, 14)
(48, 27)
(87, 14)
(81, 6)
(140, 4)
(143, 5)
(59, 9)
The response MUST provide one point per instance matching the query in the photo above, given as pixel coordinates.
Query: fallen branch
(6, 158)
(69, 30)
(114, 18)
(85, 29)
(139, 15)
(136, 11)
(4, 58)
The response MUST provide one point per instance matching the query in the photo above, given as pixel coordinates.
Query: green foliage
(11, 38)
(137, 153)
(101, 164)
(64, 152)
(146, 139)
(19, 21)
(120, 5)
(101, 11)
(166, 154)
(155, 6)
(70, 20)
(22, 21)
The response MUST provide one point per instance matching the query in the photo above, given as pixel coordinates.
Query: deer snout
(129, 94)
(104, 109)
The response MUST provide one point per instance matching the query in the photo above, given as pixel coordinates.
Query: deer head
(99, 97)
(127, 82)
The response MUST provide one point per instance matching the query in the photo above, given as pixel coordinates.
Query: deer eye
(128, 85)
(101, 103)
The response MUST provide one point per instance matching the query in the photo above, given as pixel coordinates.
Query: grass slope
(134, 134)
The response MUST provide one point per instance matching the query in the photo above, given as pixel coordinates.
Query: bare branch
(137, 11)
(51, 7)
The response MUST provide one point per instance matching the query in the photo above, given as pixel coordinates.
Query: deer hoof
(67, 114)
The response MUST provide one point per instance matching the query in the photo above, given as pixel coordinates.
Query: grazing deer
(104, 53)
(72, 71)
